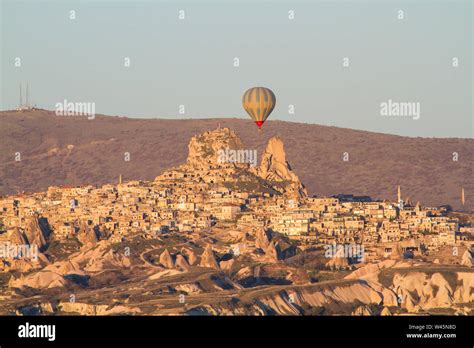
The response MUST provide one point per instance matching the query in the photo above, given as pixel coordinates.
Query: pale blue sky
(190, 62)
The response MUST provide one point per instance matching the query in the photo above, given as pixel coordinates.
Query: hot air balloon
(259, 102)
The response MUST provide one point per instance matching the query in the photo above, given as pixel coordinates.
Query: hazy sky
(191, 61)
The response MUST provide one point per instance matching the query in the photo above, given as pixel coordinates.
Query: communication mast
(24, 105)
(21, 98)
(27, 104)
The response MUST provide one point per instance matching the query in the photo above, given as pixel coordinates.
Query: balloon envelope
(259, 102)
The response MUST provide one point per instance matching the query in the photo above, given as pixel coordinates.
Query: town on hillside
(221, 191)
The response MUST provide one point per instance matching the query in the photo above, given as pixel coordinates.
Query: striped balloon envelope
(259, 102)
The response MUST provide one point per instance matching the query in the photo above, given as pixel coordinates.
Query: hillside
(61, 150)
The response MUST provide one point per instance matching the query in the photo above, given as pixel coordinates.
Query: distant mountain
(73, 150)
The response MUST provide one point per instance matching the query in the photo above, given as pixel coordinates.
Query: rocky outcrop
(87, 235)
(291, 302)
(203, 149)
(181, 263)
(166, 260)
(219, 157)
(371, 270)
(100, 257)
(208, 259)
(51, 276)
(338, 261)
(467, 259)
(36, 231)
(362, 311)
(44, 279)
(272, 252)
(191, 256)
(275, 169)
(17, 237)
(96, 309)
(262, 240)
(417, 290)
(464, 293)
(65, 267)
(189, 288)
(226, 265)
(164, 274)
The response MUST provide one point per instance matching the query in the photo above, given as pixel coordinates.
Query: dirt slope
(58, 150)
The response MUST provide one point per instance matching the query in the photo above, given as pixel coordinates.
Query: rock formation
(274, 168)
(362, 311)
(262, 240)
(191, 255)
(166, 260)
(271, 252)
(208, 259)
(226, 265)
(338, 261)
(99, 257)
(204, 148)
(467, 259)
(205, 164)
(417, 291)
(181, 263)
(35, 232)
(18, 237)
(39, 280)
(87, 234)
